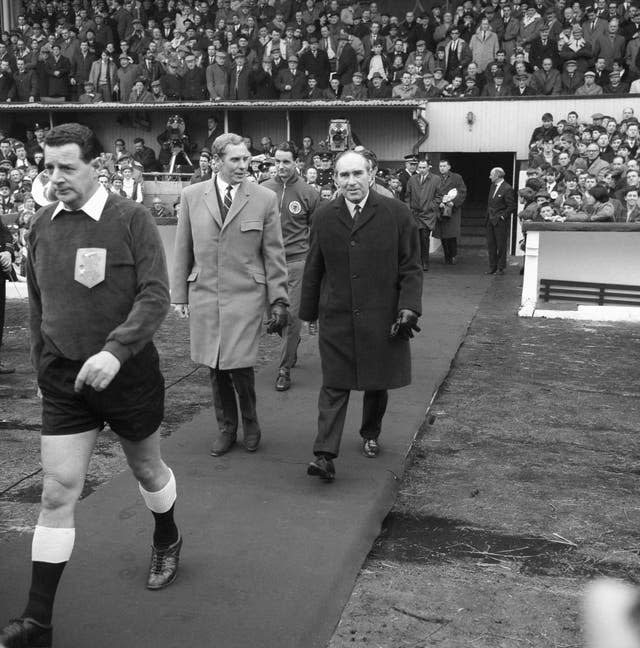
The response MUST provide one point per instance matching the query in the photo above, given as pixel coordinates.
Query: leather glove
(405, 325)
(279, 318)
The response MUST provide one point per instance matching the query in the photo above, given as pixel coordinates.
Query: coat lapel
(343, 213)
(367, 212)
(239, 201)
(210, 199)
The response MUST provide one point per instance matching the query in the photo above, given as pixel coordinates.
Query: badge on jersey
(90, 266)
(295, 207)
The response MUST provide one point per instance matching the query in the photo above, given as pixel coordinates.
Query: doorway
(474, 169)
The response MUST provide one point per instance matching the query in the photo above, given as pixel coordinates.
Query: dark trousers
(497, 244)
(226, 384)
(425, 234)
(449, 248)
(332, 410)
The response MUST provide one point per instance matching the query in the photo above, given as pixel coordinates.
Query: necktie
(422, 179)
(226, 205)
(496, 191)
(356, 215)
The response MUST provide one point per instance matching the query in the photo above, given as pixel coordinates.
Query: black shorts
(132, 404)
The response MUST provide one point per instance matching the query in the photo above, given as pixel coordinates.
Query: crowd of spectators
(584, 170)
(148, 51)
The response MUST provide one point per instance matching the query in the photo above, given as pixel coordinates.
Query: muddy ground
(521, 487)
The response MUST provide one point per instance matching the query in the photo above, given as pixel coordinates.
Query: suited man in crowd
(421, 195)
(229, 263)
(362, 279)
(238, 82)
(501, 204)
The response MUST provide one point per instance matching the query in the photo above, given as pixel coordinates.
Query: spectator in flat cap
(497, 88)
(570, 79)
(291, 82)
(428, 89)
(126, 76)
(522, 88)
(589, 87)
(615, 85)
(314, 60)
(88, 94)
(355, 90)
(378, 88)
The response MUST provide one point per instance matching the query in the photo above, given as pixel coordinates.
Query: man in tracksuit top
(297, 201)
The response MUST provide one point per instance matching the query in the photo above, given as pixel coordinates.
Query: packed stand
(206, 50)
(582, 170)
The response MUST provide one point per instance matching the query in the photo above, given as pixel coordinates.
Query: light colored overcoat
(228, 272)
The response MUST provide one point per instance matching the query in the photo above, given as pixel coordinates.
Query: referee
(98, 291)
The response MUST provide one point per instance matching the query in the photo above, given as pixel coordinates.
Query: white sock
(160, 501)
(52, 545)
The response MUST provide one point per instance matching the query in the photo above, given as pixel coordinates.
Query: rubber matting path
(270, 555)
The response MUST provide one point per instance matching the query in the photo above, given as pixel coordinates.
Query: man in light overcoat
(229, 266)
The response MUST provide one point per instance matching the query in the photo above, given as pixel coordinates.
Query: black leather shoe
(252, 441)
(283, 382)
(25, 633)
(322, 467)
(490, 272)
(425, 268)
(500, 272)
(164, 565)
(222, 444)
(371, 448)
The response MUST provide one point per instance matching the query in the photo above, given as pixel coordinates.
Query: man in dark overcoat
(422, 197)
(448, 226)
(500, 206)
(363, 281)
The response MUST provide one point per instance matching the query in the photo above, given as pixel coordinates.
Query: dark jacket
(26, 85)
(356, 279)
(502, 205)
(450, 227)
(58, 85)
(194, 85)
(347, 64)
(238, 88)
(298, 83)
(317, 65)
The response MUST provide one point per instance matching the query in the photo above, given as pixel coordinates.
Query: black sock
(166, 531)
(44, 582)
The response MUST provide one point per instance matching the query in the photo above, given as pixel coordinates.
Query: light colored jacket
(228, 272)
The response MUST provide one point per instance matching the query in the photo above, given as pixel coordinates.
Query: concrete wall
(506, 125)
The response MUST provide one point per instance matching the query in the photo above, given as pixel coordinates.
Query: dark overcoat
(356, 279)
(450, 227)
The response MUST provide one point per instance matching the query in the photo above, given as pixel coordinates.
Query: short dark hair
(138, 140)
(73, 134)
(599, 192)
(286, 147)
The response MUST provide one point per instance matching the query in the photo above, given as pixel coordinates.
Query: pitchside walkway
(270, 555)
